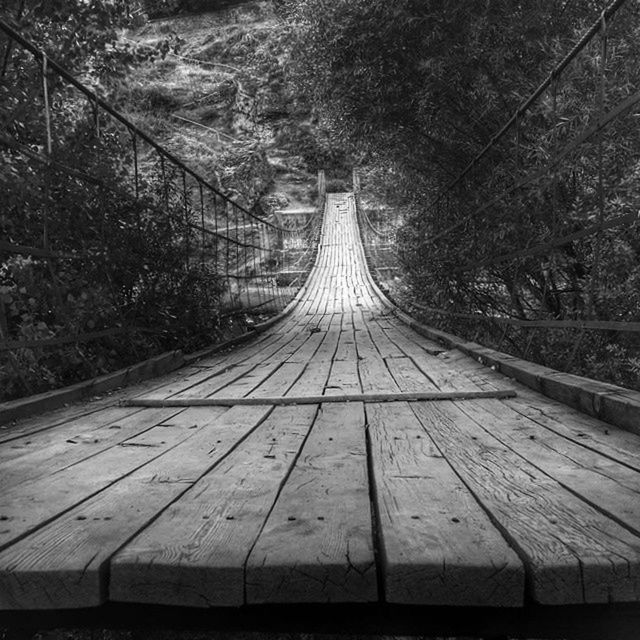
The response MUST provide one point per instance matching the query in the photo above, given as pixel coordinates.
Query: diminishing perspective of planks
(468, 495)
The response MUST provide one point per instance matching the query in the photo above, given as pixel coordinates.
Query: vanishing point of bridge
(339, 457)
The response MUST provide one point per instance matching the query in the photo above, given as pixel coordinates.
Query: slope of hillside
(222, 104)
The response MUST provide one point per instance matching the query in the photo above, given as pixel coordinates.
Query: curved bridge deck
(232, 483)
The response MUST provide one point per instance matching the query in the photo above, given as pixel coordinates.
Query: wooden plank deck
(422, 481)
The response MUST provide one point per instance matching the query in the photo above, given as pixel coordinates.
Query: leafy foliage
(164, 8)
(418, 89)
(114, 243)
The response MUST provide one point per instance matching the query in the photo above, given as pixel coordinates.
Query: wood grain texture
(194, 553)
(608, 485)
(487, 500)
(607, 439)
(317, 544)
(63, 563)
(438, 546)
(317, 376)
(573, 553)
(57, 418)
(87, 438)
(24, 507)
(39, 442)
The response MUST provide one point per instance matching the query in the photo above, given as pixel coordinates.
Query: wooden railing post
(356, 181)
(322, 184)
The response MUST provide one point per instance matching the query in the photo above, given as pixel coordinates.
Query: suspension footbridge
(342, 467)
(339, 457)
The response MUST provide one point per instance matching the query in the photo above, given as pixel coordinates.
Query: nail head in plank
(317, 544)
(438, 546)
(64, 563)
(611, 487)
(194, 553)
(27, 506)
(573, 553)
(70, 446)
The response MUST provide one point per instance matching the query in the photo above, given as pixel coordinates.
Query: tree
(428, 82)
(419, 88)
(110, 238)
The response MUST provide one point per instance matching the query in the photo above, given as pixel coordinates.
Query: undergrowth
(212, 89)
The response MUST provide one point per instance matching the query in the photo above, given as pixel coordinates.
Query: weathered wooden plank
(611, 487)
(438, 546)
(40, 424)
(609, 440)
(213, 382)
(315, 333)
(282, 379)
(327, 349)
(219, 370)
(41, 440)
(398, 330)
(194, 553)
(241, 386)
(386, 347)
(409, 378)
(343, 379)
(314, 377)
(312, 380)
(409, 396)
(375, 376)
(317, 544)
(573, 553)
(64, 564)
(446, 372)
(72, 446)
(263, 372)
(27, 506)
(346, 349)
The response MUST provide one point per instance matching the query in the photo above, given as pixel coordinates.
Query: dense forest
(535, 249)
(409, 91)
(209, 88)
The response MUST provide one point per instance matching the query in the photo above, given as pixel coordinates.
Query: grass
(221, 103)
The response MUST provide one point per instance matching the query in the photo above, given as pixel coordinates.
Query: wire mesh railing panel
(111, 248)
(544, 221)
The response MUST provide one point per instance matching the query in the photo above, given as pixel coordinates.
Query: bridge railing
(111, 248)
(378, 227)
(558, 185)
